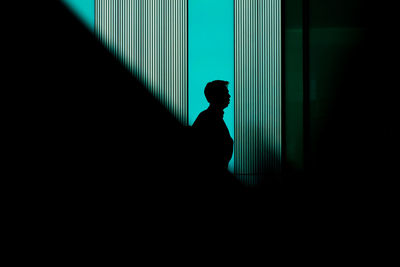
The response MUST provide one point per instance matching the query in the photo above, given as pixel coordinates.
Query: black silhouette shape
(214, 140)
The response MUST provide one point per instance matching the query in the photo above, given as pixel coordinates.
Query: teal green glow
(211, 54)
(84, 9)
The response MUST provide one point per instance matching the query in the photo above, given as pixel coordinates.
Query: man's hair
(213, 88)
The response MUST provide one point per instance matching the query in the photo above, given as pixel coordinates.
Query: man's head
(217, 94)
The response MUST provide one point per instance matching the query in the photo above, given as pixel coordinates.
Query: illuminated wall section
(211, 55)
(150, 37)
(106, 22)
(258, 134)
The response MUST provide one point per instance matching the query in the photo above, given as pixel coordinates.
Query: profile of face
(221, 97)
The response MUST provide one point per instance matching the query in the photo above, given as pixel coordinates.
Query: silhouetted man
(213, 136)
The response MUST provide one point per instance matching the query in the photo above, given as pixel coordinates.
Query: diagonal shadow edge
(118, 59)
(93, 125)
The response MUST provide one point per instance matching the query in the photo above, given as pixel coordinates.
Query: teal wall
(84, 9)
(211, 54)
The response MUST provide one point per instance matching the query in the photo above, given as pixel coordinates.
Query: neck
(216, 108)
(219, 112)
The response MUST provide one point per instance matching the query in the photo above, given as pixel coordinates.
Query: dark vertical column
(293, 79)
(283, 67)
(306, 84)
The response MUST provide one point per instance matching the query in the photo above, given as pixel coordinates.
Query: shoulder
(202, 118)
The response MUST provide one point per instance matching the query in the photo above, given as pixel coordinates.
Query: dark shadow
(94, 134)
(99, 154)
(102, 165)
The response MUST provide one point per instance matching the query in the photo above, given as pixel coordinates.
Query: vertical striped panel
(106, 22)
(258, 89)
(150, 37)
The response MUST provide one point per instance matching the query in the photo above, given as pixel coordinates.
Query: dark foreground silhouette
(105, 174)
(211, 140)
(211, 130)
